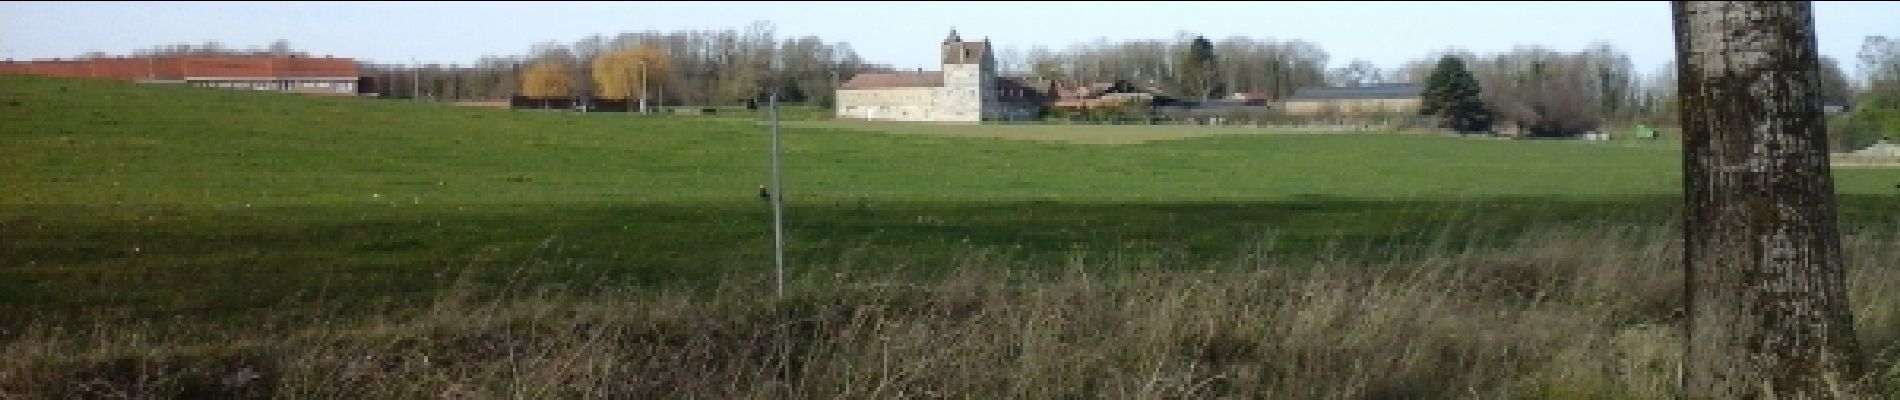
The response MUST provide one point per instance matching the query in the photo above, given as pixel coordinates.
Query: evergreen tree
(1452, 95)
(1195, 71)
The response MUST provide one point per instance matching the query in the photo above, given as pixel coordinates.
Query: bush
(1865, 126)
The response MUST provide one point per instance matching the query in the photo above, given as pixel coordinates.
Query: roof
(1020, 89)
(181, 67)
(895, 80)
(1039, 85)
(971, 52)
(1248, 96)
(1379, 91)
(1097, 89)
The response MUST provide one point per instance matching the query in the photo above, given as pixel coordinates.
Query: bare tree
(1611, 81)
(1767, 312)
(1880, 62)
(1551, 93)
(280, 48)
(1242, 64)
(1356, 73)
(1658, 103)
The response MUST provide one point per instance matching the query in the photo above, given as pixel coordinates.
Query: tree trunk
(1767, 312)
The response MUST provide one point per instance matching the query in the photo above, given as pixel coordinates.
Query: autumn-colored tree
(629, 73)
(545, 79)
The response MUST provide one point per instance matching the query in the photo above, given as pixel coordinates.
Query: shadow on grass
(76, 263)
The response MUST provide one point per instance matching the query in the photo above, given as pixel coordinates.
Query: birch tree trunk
(1768, 315)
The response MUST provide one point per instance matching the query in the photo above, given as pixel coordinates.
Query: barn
(315, 75)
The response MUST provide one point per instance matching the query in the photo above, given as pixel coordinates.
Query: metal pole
(415, 80)
(643, 87)
(778, 200)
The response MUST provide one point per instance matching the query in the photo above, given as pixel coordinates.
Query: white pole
(778, 200)
(643, 87)
(415, 79)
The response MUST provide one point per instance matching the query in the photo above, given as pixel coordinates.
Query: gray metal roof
(1380, 91)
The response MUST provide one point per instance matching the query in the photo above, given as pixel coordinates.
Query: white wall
(892, 104)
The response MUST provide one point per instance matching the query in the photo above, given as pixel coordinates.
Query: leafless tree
(1356, 73)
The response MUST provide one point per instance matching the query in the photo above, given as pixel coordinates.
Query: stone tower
(969, 80)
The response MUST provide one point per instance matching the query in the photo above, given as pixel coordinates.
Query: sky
(900, 34)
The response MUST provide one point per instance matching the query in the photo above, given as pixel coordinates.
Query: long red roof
(178, 68)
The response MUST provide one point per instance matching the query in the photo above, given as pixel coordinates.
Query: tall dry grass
(1560, 312)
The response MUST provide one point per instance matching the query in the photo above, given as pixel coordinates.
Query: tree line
(1189, 67)
(1543, 92)
(699, 67)
(1534, 89)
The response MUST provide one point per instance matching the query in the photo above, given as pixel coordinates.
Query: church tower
(969, 81)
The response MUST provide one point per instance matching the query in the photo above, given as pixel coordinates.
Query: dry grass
(1566, 313)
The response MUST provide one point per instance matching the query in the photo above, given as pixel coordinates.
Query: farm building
(1106, 94)
(968, 89)
(1355, 100)
(324, 75)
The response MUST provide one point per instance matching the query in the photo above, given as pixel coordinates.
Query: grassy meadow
(257, 244)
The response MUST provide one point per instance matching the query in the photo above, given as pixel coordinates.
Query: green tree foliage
(1876, 112)
(1866, 126)
(1452, 95)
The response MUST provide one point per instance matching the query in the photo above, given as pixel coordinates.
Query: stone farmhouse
(968, 89)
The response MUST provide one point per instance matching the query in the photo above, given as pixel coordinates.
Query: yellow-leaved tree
(546, 79)
(629, 73)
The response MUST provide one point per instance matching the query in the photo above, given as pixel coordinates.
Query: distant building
(1236, 106)
(1355, 100)
(1105, 94)
(968, 89)
(317, 75)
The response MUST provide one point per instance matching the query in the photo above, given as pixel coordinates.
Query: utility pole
(1767, 314)
(778, 199)
(415, 80)
(643, 87)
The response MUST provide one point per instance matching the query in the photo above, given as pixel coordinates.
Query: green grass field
(196, 230)
(152, 201)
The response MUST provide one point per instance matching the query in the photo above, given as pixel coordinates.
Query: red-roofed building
(320, 75)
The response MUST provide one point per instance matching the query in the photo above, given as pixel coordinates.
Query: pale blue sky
(902, 34)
